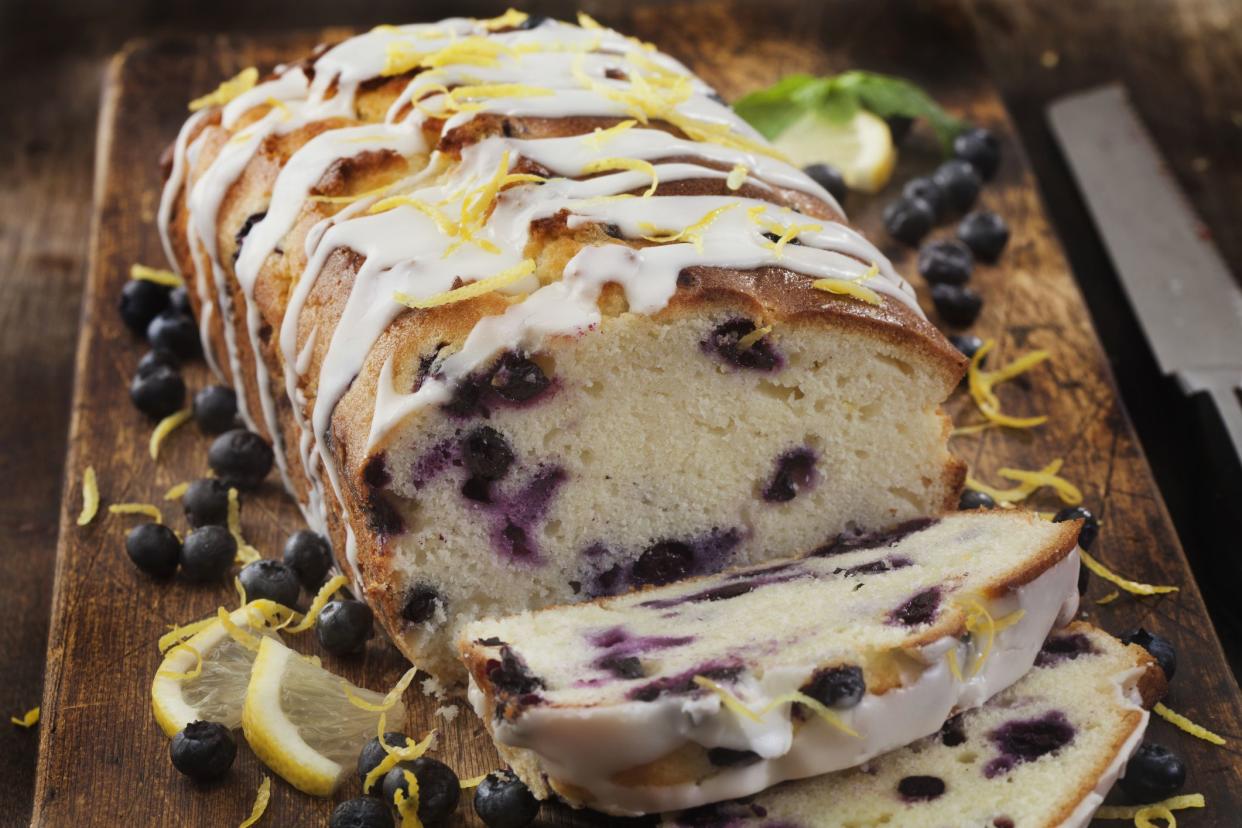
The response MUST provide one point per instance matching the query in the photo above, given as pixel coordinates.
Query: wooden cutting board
(102, 759)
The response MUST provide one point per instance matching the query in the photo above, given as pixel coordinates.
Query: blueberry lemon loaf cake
(720, 686)
(530, 316)
(1042, 754)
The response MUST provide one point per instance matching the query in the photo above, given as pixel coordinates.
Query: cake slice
(1043, 753)
(721, 686)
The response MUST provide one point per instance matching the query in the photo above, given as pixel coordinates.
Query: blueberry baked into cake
(531, 317)
(721, 686)
(1042, 754)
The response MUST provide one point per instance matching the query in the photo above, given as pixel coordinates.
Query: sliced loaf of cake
(724, 685)
(1042, 754)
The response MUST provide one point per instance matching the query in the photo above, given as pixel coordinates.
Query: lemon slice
(307, 724)
(205, 677)
(861, 148)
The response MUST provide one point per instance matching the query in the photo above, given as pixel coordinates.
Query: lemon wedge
(204, 678)
(307, 724)
(861, 148)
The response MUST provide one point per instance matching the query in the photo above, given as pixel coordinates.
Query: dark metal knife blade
(1187, 302)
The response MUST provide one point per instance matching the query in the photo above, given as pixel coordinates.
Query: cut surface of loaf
(1042, 754)
(721, 686)
(531, 316)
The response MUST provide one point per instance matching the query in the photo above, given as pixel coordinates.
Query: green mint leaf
(888, 96)
(773, 109)
(828, 99)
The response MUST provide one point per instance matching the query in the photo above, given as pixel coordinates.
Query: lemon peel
(243, 81)
(407, 806)
(28, 719)
(348, 199)
(1176, 803)
(598, 137)
(981, 385)
(692, 233)
(748, 341)
(470, 291)
(1133, 587)
(180, 633)
(156, 275)
(737, 176)
(473, 782)
(735, 705)
(245, 552)
(166, 427)
(394, 695)
(178, 491)
(1109, 598)
(260, 803)
(407, 753)
(149, 509)
(90, 497)
(317, 605)
(1029, 482)
(248, 640)
(625, 164)
(1186, 725)
(852, 287)
(511, 18)
(194, 672)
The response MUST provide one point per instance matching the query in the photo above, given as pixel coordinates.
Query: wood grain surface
(102, 760)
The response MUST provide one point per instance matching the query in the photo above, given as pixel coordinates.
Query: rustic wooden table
(1181, 60)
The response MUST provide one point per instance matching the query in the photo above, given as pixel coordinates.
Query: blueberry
(1153, 773)
(486, 453)
(971, 499)
(908, 220)
(215, 409)
(155, 358)
(728, 757)
(533, 21)
(240, 458)
(203, 751)
(158, 393)
(208, 553)
(663, 563)
(179, 300)
(960, 182)
(928, 190)
(946, 261)
(438, 788)
(1160, 648)
(518, 378)
(980, 148)
(174, 331)
(503, 801)
(840, 687)
(957, 304)
(829, 178)
(141, 301)
(1090, 524)
(272, 580)
(723, 340)
(363, 812)
(343, 627)
(920, 788)
(206, 503)
(373, 753)
(421, 603)
(309, 555)
(154, 549)
(968, 344)
(985, 233)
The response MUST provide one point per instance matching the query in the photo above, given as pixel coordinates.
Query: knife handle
(1223, 386)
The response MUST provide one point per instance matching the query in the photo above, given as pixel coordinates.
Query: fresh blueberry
(840, 687)
(309, 555)
(957, 304)
(829, 178)
(203, 751)
(141, 301)
(179, 300)
(486, 453)
(158, 393)
(363, 812)
(206, 503)
(439, 789)
(968, 344)
(174, 331)
(1153, 773)
(156, 358)
(518, 378)
(215, 409)
(908, 220)
(946, 261)
(208, 553)
(928, 190)
(154, 549)
(240, 458)
(373, 753)
(985, 233)
(503, 801)
(344, 626)
(1090, 524)
(1160, 648)
(971, 499)
(271, 580)
(960, 183)
(421, 603)
(981, 149)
